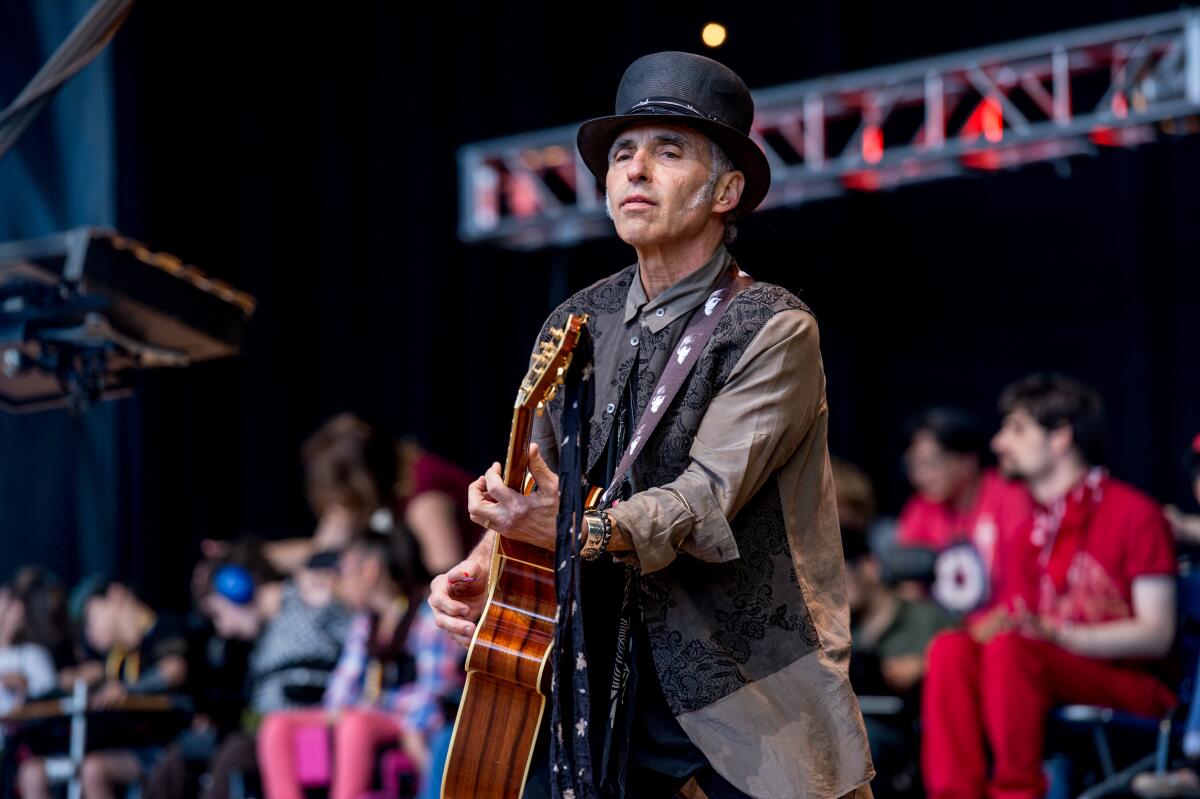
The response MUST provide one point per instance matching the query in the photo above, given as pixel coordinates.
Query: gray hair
(720, 165)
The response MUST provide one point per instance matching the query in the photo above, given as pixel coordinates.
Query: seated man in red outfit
(1090, 605)
(960, 503)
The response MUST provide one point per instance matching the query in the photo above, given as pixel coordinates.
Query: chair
(1104, 723)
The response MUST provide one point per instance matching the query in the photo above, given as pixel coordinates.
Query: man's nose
(637, 169)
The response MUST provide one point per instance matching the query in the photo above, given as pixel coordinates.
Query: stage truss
(1040, 99)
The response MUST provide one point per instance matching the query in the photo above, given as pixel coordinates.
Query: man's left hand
(532, 518)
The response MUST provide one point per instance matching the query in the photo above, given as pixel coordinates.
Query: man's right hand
(457, 597)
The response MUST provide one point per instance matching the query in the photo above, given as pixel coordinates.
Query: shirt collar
(680, 298)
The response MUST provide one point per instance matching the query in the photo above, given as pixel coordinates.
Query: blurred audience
(1087, 612)
(890, 634)
(26, 667)
(396, 669)
(143, 652)
(1060, 576)
(357, 478)
(1186, 526)
(1184, 781)
(297, 630)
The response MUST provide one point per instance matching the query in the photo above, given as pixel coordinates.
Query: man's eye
(622, 156)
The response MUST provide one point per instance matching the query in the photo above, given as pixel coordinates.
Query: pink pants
(356, 737)
(999, 693)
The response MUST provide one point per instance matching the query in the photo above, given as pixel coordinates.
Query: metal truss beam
(994, 108)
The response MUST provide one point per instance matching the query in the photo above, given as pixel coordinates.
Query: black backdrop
(306, 154)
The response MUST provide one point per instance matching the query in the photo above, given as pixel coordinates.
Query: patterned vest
(713, 627)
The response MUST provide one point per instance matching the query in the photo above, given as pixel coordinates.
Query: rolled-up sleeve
(752, 427)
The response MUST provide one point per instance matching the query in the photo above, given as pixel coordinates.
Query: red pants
(356, 734)
(1002, 692)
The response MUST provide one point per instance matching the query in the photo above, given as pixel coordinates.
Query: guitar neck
(517, 461)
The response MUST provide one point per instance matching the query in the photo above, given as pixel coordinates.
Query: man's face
(656, 184)
(938, 475)
(1024, 449)
(100, 622)
(356, 578)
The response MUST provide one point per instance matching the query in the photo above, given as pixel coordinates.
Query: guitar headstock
(549, 363)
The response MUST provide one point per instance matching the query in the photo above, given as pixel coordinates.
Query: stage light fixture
(714, 34)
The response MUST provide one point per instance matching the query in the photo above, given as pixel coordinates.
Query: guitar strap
(700, 327)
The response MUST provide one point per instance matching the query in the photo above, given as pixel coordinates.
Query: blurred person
(299, 630)
(296, 631)
(357, 478)
(890, 630)
(144, 653)
(45, 618)
(34, 640)
(26, 668)
(889, 637)
(855, 496)
(1090, 613)
(1184, 781)
(1186, 526)
(396, 668)
(960, 503)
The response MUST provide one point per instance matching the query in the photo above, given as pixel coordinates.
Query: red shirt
(999, 517)
(432, 473)
(1087, 549)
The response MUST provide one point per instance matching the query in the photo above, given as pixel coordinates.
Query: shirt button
(660, 312)
(610, 408)
(633, 341)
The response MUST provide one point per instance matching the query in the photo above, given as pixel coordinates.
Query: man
(1092, 608)
(145, 653)
(738, 625)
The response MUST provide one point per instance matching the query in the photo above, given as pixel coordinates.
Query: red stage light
(991, 119)
(872, 144)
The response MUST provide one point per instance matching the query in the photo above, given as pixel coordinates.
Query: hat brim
(597, 135)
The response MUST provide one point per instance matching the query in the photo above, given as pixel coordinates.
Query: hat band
(669, 105)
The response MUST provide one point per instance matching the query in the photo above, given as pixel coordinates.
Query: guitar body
(507, 675)
(505, 693)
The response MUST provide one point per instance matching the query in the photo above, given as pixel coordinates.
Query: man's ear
(1061, 439)
(728, 192)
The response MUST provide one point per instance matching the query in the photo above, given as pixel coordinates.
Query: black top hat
(684, 89)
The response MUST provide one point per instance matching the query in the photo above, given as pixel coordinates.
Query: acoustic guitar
(507, 678)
